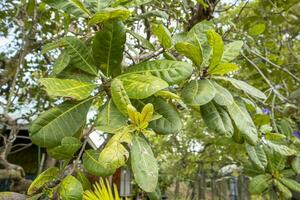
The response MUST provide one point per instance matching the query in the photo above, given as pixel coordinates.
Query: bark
(200, 13)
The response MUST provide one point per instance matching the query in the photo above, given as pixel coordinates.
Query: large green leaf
(163, 35)
(92, 164)
(67, 88)
(139, 86)
(216, 43)
(45, 177)
(280, 148)
(223, 68)
(61, 63)
(284, 191)
(70, 189)
(119, 96)
(69, 146)
(291, 184)
(198, 92)
(259, 183)
(74, 7)
(108, 47)
(144, 42)
(276, 161)
(246, 88)
(144, 164)
(106, 14)
(223, 97)
(232, 50)
(243, 122)
(216, 119)
(115, 155)
(257, 156)
(200, 30)
(62, 121)
(110, 119)
(76, 74)
(171, 71)
(169, 122)
(191, 51)
(80, 55)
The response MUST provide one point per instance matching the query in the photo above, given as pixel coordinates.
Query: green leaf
(232, 50)
(74, 7)
(136, 3)
(291, 184)
(144, 165)
(67, 88)
(62, 121)
(276, 161)
(246, 88)
(216, 43)
(169, 56)
(257, 156)
(144, 42)
(285, 192)
(86, 185)
(61, 63)
(65, 151)
(296, 164)
(93, 165)
(198, 92)
(115, 155)
(45, 177)
(257, 29)
(191, 51)
(70, 189)
(76, 74)
(166, 94)
(200, 30)
(110, 119)
(223, 97)
(140, 86)
(169, 122)
(163, 35)
(119, 96)
(52, 45)
(171, 71)
(243, 122)
(259, 183)
(109, 14)
(80, 56)
(217, 120)
(223, 68)
(275, 136)
(108, 47)
(279, 148)
(97, 5)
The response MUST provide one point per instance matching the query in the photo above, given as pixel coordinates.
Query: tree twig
(275, 65)
(282, 98)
